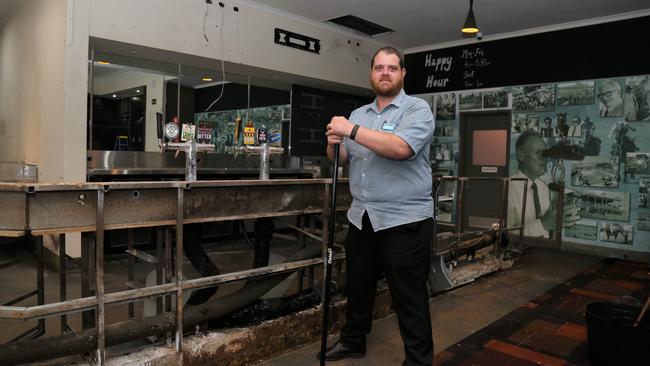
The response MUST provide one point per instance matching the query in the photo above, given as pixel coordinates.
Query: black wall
(604, 50)
(187, 103)
(114, 117)
(311, 111)
(235, 96)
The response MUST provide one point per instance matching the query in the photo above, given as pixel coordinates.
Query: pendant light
(469, 27)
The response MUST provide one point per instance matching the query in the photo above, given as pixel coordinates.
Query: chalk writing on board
(473, 60)
(439, 65)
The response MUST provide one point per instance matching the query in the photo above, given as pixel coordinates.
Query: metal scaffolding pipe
(86, 341)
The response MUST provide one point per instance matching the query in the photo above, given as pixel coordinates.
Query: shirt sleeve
(346, 140)
(416, 127)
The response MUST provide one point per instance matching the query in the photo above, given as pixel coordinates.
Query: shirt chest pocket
(391, 123)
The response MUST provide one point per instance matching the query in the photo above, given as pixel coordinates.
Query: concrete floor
(463, 311)
(21, 278)
(455, 314)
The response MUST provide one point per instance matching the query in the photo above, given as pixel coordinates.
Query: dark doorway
(484, 150)
(119, 120)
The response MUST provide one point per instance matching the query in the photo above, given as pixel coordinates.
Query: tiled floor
(461, 312)
(551, 329)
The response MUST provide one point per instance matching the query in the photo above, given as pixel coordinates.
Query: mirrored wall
(128, 94)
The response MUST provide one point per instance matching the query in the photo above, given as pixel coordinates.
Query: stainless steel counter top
(113, 163)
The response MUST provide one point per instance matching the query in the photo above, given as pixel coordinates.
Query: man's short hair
(523, 138)
(389, 51)
(611, 84)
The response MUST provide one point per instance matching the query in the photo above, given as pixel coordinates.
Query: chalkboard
(604, 50)
(311, 111)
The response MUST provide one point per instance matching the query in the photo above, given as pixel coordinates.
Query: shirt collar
(520, 174)
(397, 101)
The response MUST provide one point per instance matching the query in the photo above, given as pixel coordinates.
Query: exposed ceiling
(418, 23)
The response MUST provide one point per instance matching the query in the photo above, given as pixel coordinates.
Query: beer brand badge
(275, 137)
(249, 135)
(204, 134)
(171, 130)
(262, 136)
(188, 132)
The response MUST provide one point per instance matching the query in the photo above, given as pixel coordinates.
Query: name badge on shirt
(387, 127)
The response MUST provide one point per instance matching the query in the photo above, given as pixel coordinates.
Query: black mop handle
(328, 259)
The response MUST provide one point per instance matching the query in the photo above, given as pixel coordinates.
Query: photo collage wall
(606, 190)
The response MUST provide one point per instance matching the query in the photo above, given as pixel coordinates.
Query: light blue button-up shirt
(393, 192)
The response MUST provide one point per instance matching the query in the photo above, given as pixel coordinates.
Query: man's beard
(391, 92)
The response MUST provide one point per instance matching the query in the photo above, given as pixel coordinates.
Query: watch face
(171, 130)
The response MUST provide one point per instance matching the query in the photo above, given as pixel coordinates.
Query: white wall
(31, 89)
(41, 98)
(130, 79)
(43, 88)
(248, 36)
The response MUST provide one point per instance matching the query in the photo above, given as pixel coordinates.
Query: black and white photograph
(595, 171)
(446, 107)
(443, 152)
(578, 93)
(575, 127)
(470, 100)
(533, 98)
(623, 137)
(610, 98)
(637, 99)
(444, 129)
(644, 184)
(587, 230)
(546, 128)
(637, 164)
(643, 221)
(496, 98)
(616, 233)
(605, 205)
(525, 122)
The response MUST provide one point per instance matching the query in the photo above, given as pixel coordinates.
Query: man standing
(540, 214)
(547, 130)
(387, 144)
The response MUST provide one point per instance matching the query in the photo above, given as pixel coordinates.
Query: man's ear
(521, 156)
(403, 72)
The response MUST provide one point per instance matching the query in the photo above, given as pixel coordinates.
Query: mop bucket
(615, 337)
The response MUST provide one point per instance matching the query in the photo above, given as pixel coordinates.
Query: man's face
(386, 76)
(609, 96)
(530, 158)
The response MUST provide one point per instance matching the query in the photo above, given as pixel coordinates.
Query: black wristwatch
(353, 133)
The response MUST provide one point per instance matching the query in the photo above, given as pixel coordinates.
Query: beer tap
(264, 149)
(189, 147)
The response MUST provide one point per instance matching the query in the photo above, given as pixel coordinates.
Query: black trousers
(403, 254)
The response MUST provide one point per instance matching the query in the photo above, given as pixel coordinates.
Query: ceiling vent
(361, 25)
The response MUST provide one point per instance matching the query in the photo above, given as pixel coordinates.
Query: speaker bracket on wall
(295, 40)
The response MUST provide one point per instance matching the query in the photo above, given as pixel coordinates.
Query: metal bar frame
(62, 281)
(179, 270)
(99, 280)
(130, 263)
(164, 288)
(458, 226)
